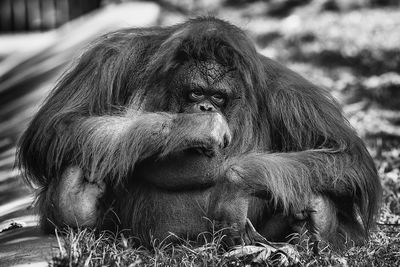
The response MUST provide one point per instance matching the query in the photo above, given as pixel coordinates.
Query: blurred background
(349, 47)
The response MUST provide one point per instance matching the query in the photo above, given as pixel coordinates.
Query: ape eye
(218, 99)
(196, 95)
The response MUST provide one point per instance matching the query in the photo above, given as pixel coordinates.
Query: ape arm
(87, 154)
(313, 151)
(94, 118)
(336, 174)
(110, 146)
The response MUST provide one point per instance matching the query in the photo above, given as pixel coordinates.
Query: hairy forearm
(111, 145)
(269, 176)
(306, 173)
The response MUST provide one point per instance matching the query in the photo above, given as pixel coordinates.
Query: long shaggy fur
(290, 139)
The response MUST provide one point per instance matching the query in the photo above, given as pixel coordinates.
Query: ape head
(206, 65)
(206, 86)
(203, 68)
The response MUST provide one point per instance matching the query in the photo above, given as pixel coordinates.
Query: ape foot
(78, 199)
(318, 218)
(315, 222)
(252, 237)
(241, 235)
(231, 232)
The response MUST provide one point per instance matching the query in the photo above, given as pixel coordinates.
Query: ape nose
(206, 107)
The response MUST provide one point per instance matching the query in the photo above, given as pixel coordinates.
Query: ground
(352, 48)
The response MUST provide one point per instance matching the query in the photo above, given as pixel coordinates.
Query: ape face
(205, 86)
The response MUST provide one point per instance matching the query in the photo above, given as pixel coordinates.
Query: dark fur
(290, 139)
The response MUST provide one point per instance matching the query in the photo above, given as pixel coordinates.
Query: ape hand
(78, 198)
(212, 134)
(206, 132)
(217, 131)
(191, 157)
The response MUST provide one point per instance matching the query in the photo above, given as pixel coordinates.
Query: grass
(86, 248)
